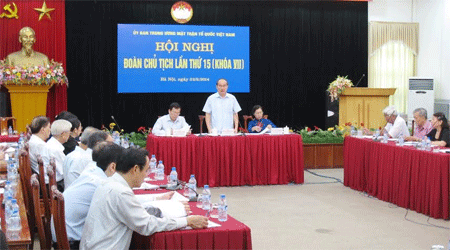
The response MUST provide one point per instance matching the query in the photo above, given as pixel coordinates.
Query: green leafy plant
(140, 138)
(331, 135)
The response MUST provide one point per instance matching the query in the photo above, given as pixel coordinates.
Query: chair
(44, 191)
(4, 124)
(201, 118)
(25, 177)
(51, 173)
(59, 219)
(42, 224)
(412, 127)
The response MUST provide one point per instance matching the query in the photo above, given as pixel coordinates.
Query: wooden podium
(364, 105)
(27, 101)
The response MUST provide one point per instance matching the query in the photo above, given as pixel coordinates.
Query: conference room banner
(181, 58)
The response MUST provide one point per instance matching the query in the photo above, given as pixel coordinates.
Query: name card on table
(277, 131)
(228, 131)
(179, 132)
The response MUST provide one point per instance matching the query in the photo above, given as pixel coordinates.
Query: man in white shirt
(81, 157)
(221, 109)
(78, 196)
(171, 121)
(40, 129)
(115, 212)
(396, 126)
(60, 130)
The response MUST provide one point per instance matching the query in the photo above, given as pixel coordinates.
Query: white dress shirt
(115, 213)
(75, 163)
(164, 122)
(56, 150)
(221, 110)
(78, 197)
(398, 128)
(37, 147)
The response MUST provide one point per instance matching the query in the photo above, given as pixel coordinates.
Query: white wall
(433, 17)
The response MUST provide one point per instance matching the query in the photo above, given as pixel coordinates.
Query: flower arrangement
(334, 134)
(37, 75)
(338, 86)
(140, 138)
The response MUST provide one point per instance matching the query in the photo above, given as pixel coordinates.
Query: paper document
(210, 225)
(147, 186)
(169, 208)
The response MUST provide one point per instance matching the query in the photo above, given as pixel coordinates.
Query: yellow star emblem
(44, 11)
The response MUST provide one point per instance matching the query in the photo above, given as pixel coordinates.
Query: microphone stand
(116, 122)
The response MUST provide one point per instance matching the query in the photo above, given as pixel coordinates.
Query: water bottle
(223, 207)
(206, 198)
(192, 186)
(173, 178)
(428, 144)
(8, 204)
(14, 225)
(10, 131)
(160, 171)
(385, 137)
(401, 140)
(21, 140)
(153, 164)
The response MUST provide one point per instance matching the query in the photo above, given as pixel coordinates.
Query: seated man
(40, 130)
(75, 130)
(396, 126)
(78, 196)
(171, 121)
(81, 157)
(422, 125)
(115, 212)
(60, 130)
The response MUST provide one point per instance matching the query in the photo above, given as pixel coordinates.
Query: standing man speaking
(221, 109)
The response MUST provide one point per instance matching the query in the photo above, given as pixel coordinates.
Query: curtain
(296, 50)
(393, 49)
(50, 39)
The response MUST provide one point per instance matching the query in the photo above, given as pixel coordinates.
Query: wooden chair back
(25, 177)
(44, 190)
(51, 168)
(42, 223)
(59, 218)
(201, 118)
(4, 124)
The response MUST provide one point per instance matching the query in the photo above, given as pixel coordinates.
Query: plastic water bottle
(21, 140)
(14, 225)
(153, 164)
(401, 140)
(160, 171)
(173, 178)
(8, 204)
(192, 186)
(385, 138)
(206, 198)
(428, 144)
(223, 208)
(10, 131)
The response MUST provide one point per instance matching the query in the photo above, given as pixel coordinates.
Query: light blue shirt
(221, 110)
(75, 162)
(164, 122)
(78, 197)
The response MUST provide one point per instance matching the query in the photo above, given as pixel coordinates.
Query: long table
(7, 138)
(411, 178)
(232, 234)
(232, 160)
(23, 241)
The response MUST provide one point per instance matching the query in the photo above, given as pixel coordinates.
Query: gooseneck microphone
(116, 122)
(360, 80)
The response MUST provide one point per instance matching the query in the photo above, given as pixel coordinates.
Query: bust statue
(27, 57)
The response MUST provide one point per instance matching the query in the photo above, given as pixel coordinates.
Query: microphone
(240, 126)
(360, 80)
(183, 183)
(116, 122)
